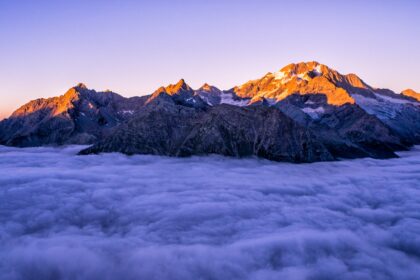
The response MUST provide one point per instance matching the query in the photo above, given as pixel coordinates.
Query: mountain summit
(79, 116)
(302, 113)
(304, 78)
(178, 88)
(411, 93)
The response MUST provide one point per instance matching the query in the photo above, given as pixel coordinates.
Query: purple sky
(133, 47)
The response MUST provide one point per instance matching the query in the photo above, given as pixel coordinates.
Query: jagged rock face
(180, 93)
(347, 131)
(210, 94)
(258, 130)
(399, 112)
(302, 78)
(80, 116)
(166, 128)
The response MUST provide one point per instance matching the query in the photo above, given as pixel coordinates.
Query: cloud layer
(111, 216)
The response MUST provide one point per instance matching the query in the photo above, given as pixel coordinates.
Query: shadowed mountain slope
(304, 112)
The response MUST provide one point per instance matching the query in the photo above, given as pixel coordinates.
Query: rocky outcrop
(210, 94)
(347, 131)
(80, 116)
(400, 113)
(302, 78)
(411, 93)
(180, 93)
(167, 128)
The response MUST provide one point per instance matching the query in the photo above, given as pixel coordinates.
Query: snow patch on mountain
(380, 107)
(303, 76)
(317, 70)
(314, 113)
(227, 98)
(129, 112)
(279, 75)
(384, 107)
(396, 99)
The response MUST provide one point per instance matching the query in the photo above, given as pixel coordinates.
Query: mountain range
(304, 112)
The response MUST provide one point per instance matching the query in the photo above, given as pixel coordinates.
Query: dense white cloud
(111, 216)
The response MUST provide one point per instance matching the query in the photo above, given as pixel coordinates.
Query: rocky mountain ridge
(304, 112)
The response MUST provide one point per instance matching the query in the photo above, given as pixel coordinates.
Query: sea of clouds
(112, 216)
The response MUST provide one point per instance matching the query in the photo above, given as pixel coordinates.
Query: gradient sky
(133, 47)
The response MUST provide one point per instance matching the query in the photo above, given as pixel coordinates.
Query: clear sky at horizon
(133, 47)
